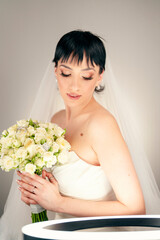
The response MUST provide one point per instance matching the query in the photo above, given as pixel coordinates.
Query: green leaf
(38, 155)
(32, 136)
(64, 132)
(42, 141)
(50, 149)
(38, 171)
(33, 124)
(5, 135)
(55, 137)
(57, 153)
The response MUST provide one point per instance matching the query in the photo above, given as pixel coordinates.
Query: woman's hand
(38, 190)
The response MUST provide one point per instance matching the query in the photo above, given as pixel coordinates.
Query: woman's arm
(115, 159)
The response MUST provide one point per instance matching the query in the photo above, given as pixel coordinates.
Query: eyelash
(89, 78)
(67, 75)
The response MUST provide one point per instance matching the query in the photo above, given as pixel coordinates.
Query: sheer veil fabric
(47, 102)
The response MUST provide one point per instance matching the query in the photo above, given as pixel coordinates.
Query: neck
(76, 111)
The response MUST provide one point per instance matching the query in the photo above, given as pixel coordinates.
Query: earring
(98, 87)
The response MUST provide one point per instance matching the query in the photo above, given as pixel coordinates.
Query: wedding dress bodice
(79, 179)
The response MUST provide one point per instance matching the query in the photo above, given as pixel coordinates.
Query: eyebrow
(85, 69)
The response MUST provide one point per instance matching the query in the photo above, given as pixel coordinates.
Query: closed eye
(88, 78)
(65, 75)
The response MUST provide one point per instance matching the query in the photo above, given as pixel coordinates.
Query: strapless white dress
(79, 179)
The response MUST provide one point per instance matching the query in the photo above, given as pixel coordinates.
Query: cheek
(89, 87)
(61, 85)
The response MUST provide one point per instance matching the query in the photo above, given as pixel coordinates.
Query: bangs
(77, 57)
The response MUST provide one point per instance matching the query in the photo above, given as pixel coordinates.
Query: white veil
(47, 102)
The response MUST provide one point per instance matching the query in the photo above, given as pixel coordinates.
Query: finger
(26, 200)
(27, 187)
(44, 172)
(27, 194)
(34, 181)
(29, 184)
(34, 177)
(51, 177)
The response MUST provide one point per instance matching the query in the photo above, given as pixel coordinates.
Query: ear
(100, 78)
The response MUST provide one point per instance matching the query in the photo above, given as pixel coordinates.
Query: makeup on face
(86, 73)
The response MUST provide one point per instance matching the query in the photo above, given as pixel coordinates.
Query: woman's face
(77, 82)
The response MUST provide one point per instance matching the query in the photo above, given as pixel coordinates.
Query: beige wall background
(29, 32)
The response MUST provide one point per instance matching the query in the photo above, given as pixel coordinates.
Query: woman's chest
(79, 138)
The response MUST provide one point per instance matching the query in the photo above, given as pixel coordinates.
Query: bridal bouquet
(30, 146)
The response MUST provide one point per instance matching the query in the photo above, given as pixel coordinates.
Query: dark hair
(76, 44)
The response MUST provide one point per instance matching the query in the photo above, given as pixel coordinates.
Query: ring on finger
(50, 178)
(33, 189)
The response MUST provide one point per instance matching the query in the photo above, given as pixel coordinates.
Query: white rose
(39, 162)
(31, 130)
(41, 130)
(7, 142)
(43, 125)
(8, 163)
(5, 132)
(39, 149)
(21, 135)
(51, 125)
(4, 140)
(10, 152)
(51, 163)
(12, 130)
(22, 165)
(49, 159)
(21, 153)
(63, 157)
(63, 144)
(39, 137)
(49, 139)
(29, 145)
(58, 131)
(29, 142)
(30, 168)
(55, 147)
(4, 150)
(22, 123)
(16, 143)
(50, 132)
(15, 160)
(47, 156)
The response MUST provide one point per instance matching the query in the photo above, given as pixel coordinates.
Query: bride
(107, 173)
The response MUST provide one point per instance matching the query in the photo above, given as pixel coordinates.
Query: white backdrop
(29, 32)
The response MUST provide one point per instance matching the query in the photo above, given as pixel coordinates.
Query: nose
(74, 84)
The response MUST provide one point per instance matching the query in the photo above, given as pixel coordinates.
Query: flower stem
(39, 217)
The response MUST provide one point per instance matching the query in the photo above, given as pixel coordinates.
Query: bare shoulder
(103, 121)
(104, 133)
(58, 117)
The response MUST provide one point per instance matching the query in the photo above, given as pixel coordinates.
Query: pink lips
(73, 96)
